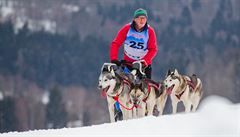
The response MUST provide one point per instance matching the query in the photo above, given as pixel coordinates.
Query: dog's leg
(161, 101)
(194, 107)
(111, 103)
(174, 104)
(142, 110)
(134, 111)
(111, 112)
(127, 114)
(187, 105)
(150, 107)
(195, 103)
(124, 112)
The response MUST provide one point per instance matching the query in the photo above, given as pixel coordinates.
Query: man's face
(140, 21)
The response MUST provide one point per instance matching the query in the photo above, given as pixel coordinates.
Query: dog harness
(150, 84)
(190, 83)
(116, 98)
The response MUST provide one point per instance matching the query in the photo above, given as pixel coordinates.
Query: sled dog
(145, 96)
(145, 93)
(116, 89)
(183, 88)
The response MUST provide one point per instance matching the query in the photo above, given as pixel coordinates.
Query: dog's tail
(194, 79)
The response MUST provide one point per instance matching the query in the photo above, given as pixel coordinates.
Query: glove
(118, 63)
(144, 63)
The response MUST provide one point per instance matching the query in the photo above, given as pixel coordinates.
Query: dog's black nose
(135, 101)
(100, 86)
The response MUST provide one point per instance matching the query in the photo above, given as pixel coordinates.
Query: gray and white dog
(145, 94)
(116, 88)
(183, 88)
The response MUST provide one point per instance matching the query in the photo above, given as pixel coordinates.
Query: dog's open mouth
(104, 91)
(169, 90)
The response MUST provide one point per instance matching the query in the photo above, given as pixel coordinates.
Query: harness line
(188, 83)
(117, 100)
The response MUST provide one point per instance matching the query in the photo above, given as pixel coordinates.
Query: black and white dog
(117, 89)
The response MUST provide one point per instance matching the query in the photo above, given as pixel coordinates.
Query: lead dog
(183, 88)
(116, 89)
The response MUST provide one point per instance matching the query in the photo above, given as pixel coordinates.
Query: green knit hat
(140, 12)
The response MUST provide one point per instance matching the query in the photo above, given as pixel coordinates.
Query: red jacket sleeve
(118, 41)
(152, 46)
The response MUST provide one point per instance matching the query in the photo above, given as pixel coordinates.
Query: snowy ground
(216, 117)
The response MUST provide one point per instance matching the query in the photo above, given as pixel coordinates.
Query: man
(139, 40)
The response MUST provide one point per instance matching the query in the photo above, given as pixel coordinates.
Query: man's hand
(144, 63)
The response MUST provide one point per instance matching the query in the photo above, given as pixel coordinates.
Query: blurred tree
(196, 5)
(56, 115)
(186, 18)
(8, 48)
(8, 120)
(86, 118)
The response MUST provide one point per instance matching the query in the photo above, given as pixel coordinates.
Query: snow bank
(216, 117)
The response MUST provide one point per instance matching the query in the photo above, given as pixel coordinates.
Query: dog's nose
(135, 101)
(100, 86)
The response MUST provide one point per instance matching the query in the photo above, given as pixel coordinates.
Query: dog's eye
(105, 80)
(170, 80)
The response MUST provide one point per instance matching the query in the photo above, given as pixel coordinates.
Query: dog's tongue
(169, 90)
(104, 93)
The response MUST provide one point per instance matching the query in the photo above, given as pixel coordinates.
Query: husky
(183, 88)
(145, 96)
(146, 93)
(116, 89)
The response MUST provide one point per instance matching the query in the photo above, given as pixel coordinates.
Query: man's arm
(152, 47)
(118, 41)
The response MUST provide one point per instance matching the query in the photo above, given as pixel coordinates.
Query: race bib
(135, 45)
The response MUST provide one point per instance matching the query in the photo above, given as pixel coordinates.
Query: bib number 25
(136, 45)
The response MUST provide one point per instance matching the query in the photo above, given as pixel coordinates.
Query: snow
(70, 8)
(45, 98)
(216, 117)
(1, 96)
(6, 11)
(45, 24)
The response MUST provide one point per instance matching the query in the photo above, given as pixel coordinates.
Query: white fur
(146, 100)
(189, 99)
(105, 82)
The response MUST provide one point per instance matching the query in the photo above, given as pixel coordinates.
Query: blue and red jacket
(137, 45)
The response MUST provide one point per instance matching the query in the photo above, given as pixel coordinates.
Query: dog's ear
(168, 73)
(112, 72)
(104, 69)
(114, 67)
(176, 72)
